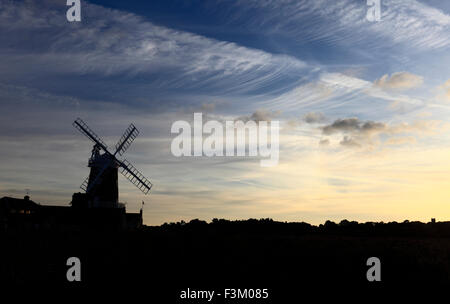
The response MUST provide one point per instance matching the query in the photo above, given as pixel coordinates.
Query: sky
(363, 106)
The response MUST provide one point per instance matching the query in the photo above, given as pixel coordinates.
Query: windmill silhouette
(101, 186)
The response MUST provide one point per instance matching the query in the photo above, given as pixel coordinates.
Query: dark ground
(285, 257)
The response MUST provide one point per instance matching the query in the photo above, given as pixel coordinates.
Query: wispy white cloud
(110, 43)
(336, 91)
(403, 22)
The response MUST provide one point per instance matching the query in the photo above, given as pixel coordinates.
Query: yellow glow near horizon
(395, 184)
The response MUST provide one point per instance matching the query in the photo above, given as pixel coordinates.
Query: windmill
(101, 186)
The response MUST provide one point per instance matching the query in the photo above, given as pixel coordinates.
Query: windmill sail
(127, 138)
(81, 126)
(135, 177)
(84, 185)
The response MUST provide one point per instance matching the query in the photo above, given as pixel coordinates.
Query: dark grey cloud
(324, 142)
(357, 133)
(260, 115)
(353, 125)
(342, 125)
(338, 182)
(349, 142)
(314, 117)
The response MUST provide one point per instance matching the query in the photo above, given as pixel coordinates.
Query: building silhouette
(26, 215)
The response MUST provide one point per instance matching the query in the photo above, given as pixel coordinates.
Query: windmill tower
(101, 185)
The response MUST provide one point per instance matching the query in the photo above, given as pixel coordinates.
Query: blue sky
(309, 64)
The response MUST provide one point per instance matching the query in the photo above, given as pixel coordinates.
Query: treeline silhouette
(344, 227)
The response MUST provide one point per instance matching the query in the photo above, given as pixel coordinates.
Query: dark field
(223, 254)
